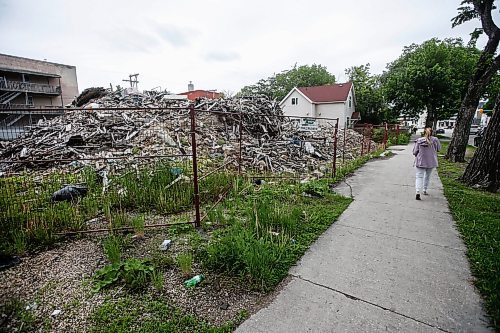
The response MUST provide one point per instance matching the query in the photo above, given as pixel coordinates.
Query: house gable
(330, 101)
(297, 104)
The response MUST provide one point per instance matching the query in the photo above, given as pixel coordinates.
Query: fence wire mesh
(85, 170)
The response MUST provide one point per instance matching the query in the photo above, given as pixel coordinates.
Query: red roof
(329, 93)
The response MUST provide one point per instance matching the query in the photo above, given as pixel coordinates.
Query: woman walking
(425, 151)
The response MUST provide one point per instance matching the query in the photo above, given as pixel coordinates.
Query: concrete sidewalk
(390, 263)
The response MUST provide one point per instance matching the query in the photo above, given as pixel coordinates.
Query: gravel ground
(54, 280)
(59, 279)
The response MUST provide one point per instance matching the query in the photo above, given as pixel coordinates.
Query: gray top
(425, 153)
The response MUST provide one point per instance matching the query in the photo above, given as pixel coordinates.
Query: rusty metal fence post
(370, 128)
(334, 163)
(197, 221)
(386, 135)
(343, 144)
(240, 130)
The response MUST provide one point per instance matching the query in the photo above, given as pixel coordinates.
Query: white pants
(422, 179)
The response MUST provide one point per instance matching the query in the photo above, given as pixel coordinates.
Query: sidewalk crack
(400, 237)
(352, 297)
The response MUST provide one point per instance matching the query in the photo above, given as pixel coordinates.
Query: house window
(30, 100)
(348, 120)
(295, 100)
(350, 101)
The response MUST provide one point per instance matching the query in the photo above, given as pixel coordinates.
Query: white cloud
(218, 44)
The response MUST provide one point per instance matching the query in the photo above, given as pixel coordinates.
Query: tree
(369, 99)
(484, 168)
(491, 91)
(486, 67)
(431, 76)
(278, 85)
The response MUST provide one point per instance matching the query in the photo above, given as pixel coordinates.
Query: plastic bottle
(194, 281)
(165, 245)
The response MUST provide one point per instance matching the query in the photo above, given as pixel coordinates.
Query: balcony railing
(29, 87)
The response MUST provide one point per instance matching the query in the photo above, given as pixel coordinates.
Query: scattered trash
(176, 171)
(69, 193)
(259, 182)
(55, 313)
(194, 281)
(7, 261)
(165, 244)
(32, 306)
(309, 148)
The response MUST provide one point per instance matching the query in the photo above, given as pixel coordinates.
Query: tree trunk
(460, 136)
(487, 66)
(484, 168)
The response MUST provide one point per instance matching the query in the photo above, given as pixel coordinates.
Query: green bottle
(194, 281)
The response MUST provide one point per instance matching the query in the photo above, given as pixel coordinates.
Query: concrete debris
(111, 139)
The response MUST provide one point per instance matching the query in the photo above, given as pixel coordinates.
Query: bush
(378, 135)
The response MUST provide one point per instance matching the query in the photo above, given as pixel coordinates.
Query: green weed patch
(147, 315)
(477, 214)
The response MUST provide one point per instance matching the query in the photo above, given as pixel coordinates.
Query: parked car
(440, 131)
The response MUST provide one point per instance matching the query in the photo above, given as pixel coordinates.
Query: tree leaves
(432, 76)
(278, 85)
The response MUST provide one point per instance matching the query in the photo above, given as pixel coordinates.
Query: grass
(259, 235)
(112, 248)
(31, 220)
(185, 263)
(477, 214)
(255, 235)
(19, 317)
(147, 315)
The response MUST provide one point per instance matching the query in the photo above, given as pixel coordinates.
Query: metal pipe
(216, 169)
(221, 197)
(68, 233)
(197, 220)
(90, 159)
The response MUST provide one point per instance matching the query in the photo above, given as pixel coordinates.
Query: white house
(329, 101)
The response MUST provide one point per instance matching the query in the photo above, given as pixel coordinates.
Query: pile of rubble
(114, 138)
(124, 98)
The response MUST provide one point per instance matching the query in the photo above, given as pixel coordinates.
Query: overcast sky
(218, 44)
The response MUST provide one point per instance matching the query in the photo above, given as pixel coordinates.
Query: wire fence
(81, 170)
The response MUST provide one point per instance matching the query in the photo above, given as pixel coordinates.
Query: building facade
(329, 101)
(33, 83)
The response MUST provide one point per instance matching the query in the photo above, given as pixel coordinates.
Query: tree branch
(484, 8)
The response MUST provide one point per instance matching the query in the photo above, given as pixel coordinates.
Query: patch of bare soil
(60, 279)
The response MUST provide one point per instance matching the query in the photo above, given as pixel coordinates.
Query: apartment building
(34, 83)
